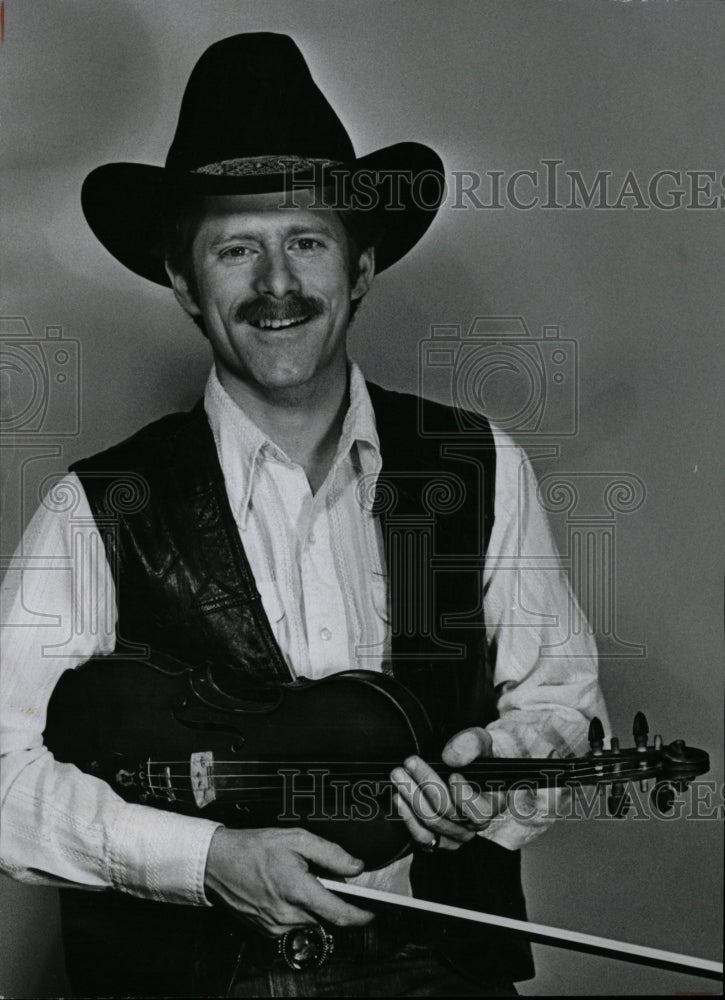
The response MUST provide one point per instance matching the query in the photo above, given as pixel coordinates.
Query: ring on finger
(433, 845)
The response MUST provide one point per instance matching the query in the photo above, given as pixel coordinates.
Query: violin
(310, 753)
(318, 754)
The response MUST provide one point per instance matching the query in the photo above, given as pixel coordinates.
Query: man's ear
(182, 291)
(366, 273)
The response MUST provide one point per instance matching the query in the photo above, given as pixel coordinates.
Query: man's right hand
(264, 876)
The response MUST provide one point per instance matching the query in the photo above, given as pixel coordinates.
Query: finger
(277, 930)
(419, 833)
(274, 922)
(478, 808)
(451, 835)
(469, 802)
(426, 815)
(279, 924)
(325, 905)
(324, 854)
(551, 799)
(540, 807)
(432, 789)
(467, 746)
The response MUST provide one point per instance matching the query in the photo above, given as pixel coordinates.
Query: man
(264, 537)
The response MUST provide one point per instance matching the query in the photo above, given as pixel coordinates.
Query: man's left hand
(446, 814)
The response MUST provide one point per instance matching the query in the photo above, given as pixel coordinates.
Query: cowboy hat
(253, 120)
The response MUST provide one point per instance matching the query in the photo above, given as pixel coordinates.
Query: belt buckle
(306, 947)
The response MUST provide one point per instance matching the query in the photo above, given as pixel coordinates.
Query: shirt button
(325, 634)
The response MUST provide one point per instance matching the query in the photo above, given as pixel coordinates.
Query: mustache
(292, 306)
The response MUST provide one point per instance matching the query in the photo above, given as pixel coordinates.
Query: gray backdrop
(495, 86)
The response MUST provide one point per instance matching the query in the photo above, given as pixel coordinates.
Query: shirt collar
(242, 446)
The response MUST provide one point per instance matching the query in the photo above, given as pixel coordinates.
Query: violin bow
(544, 934)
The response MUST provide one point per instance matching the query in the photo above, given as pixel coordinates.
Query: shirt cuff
(160, 855)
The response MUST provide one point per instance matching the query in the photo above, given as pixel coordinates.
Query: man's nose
(275, 276)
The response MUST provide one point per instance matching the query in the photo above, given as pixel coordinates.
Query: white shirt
(319, 566)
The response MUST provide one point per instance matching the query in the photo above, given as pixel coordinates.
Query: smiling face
(273, 287)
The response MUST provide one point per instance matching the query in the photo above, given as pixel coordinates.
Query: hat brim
(124, 203)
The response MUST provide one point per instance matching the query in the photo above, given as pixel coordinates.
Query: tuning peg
(640, 731)
(596, 735)
(678, 751)
(644, 785)
(614, 744)
(618, 801)
(662, 797)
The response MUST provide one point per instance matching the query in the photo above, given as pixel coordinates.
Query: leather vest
(185, 587)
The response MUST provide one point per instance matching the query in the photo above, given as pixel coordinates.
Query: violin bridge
(202, 778)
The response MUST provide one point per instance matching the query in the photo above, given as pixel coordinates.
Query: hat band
(256, 166)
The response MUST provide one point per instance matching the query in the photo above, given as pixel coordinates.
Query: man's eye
(307, 243)
(235, 252)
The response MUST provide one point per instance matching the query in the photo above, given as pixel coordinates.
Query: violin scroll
(672, 765)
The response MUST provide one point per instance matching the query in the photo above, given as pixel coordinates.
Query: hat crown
(253, 95)
(252, 119)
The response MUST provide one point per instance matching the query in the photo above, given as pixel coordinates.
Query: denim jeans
(119, 946)
(413, 971)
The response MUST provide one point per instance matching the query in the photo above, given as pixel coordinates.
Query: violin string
(514, 762)
(175, 786)
(367, 767)
(163, 786)
(547, 781)
(494, 772)
(344, 768)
